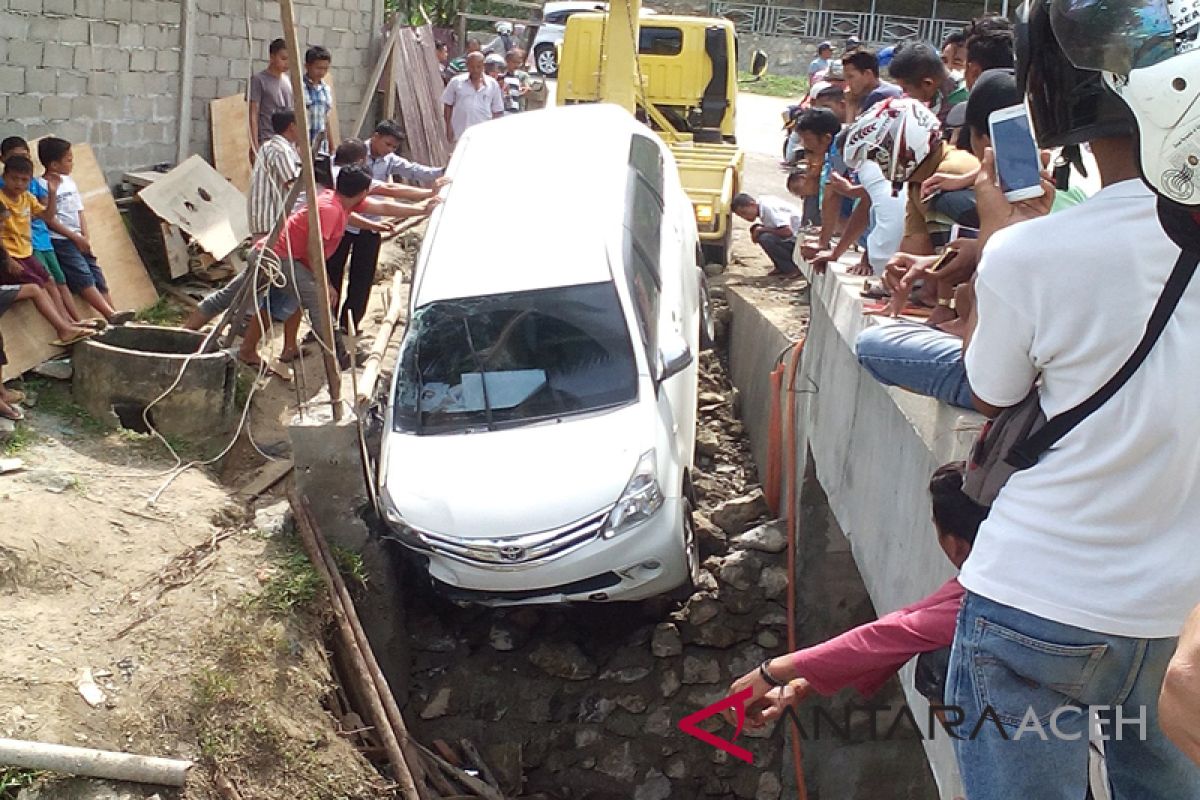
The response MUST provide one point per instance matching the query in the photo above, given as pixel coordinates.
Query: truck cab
(688, 68)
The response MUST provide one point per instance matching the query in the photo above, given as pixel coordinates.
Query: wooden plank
(419, 85)
(231, 139)
(272, 473)
(27, 335)
(332, 127)
(196, 198)
(178, 258)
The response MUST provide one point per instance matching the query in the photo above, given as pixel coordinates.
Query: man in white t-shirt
(1086, 568)
(470, 99)
(775, 224)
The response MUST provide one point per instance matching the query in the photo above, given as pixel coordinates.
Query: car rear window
(506, 360)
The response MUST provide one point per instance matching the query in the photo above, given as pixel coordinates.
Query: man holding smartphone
(1083, 574)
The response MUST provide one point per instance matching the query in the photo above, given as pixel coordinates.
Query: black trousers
(361, 250)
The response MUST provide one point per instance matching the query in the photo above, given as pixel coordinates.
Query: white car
(553, 27)
(538, 442)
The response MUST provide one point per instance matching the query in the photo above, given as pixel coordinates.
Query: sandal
(287, 358)
(121, 317)
(79, 337)
(96, 323)
(11, 412)
(874, 290)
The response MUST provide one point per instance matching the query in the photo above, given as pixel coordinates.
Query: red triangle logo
(738, 702)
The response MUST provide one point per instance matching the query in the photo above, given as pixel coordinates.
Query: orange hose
(791, 443)
(772, 485)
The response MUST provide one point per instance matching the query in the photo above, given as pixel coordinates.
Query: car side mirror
(758, 64)
(674, 356)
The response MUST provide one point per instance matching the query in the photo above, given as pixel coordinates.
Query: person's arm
(253, 127)
(998, 346)
(497, 101)
(367, 224)
(423, 174)
(860, 218)
(447, 110)
(1179, 703)
(50, 207)
(401, 191)
(391, 208)
(864, 657)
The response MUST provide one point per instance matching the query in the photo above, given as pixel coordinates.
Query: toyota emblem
(511, 552)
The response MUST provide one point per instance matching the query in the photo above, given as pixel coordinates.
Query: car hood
(510, 482)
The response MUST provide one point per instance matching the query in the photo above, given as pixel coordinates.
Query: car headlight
(641, 499)
(400, 529)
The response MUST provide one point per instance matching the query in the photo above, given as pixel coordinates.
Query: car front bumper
(639, 563)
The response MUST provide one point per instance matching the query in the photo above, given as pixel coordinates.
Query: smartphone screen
(963, 232)
(1017, 160)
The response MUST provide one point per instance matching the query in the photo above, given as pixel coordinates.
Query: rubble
(735, 516)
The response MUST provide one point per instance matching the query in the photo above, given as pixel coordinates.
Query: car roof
(534, 201)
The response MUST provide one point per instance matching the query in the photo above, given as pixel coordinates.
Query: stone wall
(107, 72)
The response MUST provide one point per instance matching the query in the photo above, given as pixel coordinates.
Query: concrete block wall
(107, 72)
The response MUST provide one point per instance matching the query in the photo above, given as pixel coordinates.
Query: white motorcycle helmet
(504, 28)
(1148, 54)
(897, 134)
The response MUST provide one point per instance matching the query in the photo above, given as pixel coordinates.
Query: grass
(18, 442)
(55, 398)
(14, 779)
(773, 85)
(164, 312)
(295, 584)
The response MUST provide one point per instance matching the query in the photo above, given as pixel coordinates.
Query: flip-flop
(12, 413)
(97, 323)
(121, 317)
(76, 339)
(278, 370)
(288, 358)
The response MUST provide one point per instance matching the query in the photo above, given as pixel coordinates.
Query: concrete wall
(866, 452)
(107, 71)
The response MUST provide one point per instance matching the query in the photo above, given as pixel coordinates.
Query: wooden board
(417, 80)
(332, 128)
(197, 199)
(231, 139)
(27, 335)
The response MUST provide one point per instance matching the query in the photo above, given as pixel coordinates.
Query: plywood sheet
(197, 199)
(231, 139)
(26, 334)
(417, 80)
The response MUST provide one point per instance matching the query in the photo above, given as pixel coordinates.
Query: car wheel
(546, 61)
(691, 544)
(708, 326)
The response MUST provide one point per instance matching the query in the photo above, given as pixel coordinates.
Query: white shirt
(1104, 532)
(887, 215)
(68, 204)
(471, 105)
(776, 213)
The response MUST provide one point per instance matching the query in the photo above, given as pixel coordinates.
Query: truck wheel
(546, 61)
(718, 252)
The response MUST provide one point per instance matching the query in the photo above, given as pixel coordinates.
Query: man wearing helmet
(503, 42)
(1085, 570)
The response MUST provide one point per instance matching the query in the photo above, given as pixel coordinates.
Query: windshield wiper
(487, 404)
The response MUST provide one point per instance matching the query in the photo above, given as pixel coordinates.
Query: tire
(708, 332)
(691, 545)
(718, 252)
(546, 61)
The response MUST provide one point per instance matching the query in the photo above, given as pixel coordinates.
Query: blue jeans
(918, 358)
(1041, 677)
(81, 270)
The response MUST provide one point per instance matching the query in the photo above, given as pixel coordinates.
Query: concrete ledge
(872, 448)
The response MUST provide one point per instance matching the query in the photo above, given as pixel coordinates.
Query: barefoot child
(69, 232)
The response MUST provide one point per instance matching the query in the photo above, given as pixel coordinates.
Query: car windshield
(511, 359)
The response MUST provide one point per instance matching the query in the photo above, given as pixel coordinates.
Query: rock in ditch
(658, 723)
(773, 581)
(700, 670)
(656, 787)
(274, 520)
(619, 764)
(708, 443)
(563, 660)
(669, 683)
(438, 706)
(711, 539)
(740, 570)
(711, 398)
(769, 787)
(60, 370)
(735, 516)
(769, 537)
(666, 642)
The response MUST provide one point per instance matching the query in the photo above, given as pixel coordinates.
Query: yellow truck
(682, 82)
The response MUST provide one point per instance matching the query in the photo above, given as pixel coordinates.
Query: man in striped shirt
(277, 168)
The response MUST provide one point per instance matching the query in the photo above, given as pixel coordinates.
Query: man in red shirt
(866, 656)
(334, 207)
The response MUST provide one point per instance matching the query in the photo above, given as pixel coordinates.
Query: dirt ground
(193, 631)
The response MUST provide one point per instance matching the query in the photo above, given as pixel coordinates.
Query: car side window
(643, 237)
(660, 41)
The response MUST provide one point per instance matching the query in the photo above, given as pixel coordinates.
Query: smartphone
(963, 232)
(945, 258)
(1018, 162)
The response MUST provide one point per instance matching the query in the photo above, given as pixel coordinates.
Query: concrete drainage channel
(584, 701)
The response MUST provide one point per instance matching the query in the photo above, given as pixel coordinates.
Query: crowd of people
(1075, 585)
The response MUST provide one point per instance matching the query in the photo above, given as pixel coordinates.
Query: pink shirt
(866, 656)
(333, 216)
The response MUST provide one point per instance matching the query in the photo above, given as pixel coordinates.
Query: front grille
(522, 550)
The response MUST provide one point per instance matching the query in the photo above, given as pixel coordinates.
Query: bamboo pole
(381, 705)
(383, 336)
(316, 255)
(93, 763)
